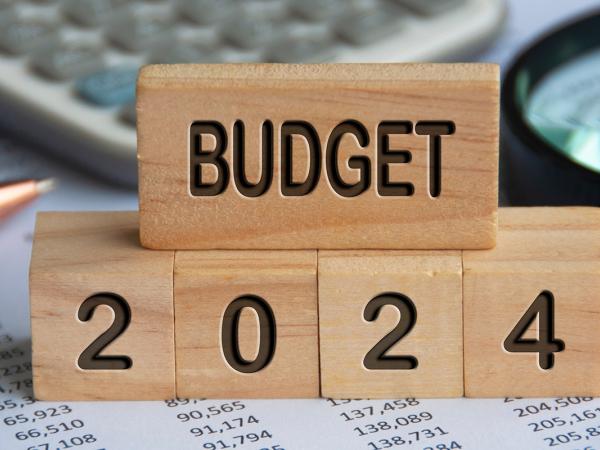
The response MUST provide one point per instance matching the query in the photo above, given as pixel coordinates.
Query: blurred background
(68, 71)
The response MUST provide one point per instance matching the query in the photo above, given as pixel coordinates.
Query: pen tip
(46, 185)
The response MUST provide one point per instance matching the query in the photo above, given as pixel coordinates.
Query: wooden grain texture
(539, 249)
(77, 255)
(171, 98)
(206, 282)
(348, 280)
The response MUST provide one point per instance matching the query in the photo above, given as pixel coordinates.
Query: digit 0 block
(532, 306)
(390, 324)
(246, 324)
(101, 310)
(339, 156)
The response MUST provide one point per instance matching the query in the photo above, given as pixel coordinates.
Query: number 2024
(376, 359)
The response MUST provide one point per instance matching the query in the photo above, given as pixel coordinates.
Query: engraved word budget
(382, 156)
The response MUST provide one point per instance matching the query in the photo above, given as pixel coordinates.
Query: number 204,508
(377, 358)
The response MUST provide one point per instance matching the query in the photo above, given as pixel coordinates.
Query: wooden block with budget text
(390, 324)
(101, 310)
(329, 156)
(532, 306)
(246, 324)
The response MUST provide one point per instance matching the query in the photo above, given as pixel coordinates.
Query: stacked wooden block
(317, 230)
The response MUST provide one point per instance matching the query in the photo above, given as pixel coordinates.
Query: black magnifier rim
(553, 49)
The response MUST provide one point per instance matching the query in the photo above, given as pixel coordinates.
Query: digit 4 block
(532, 306)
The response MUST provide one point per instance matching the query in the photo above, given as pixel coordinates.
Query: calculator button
(136, 32)
(68, 61)
(264, 9)
(243, 56)
(300, 50)
(92, 13)
(431, 7)
(24, 36)
(318, 9)
(7, 14)
(180, 53)
(205, 12)
(247, 32)
(366, 27)
(109, 87)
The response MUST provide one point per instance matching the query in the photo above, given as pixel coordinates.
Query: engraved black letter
(387, 156)
(239, 164)
(288, 186)
(361, 163)
(435, 130)
(198, 157)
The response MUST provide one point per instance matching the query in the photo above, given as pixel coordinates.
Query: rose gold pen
(17, 194)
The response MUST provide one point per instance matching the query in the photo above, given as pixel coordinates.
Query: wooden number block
(332, 156)
(101, 310)
(390, 324)
(246, 324)
(532, 306)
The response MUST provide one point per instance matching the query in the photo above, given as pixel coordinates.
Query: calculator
(68, 68)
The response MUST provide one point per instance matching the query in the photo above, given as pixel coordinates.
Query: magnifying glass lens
(564, 109)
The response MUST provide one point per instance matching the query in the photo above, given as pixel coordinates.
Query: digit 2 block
(101, 310)
(532, 306)
(327, 156)
(390, 324)
(246, 324)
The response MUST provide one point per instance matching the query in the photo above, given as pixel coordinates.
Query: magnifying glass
(551, 119)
